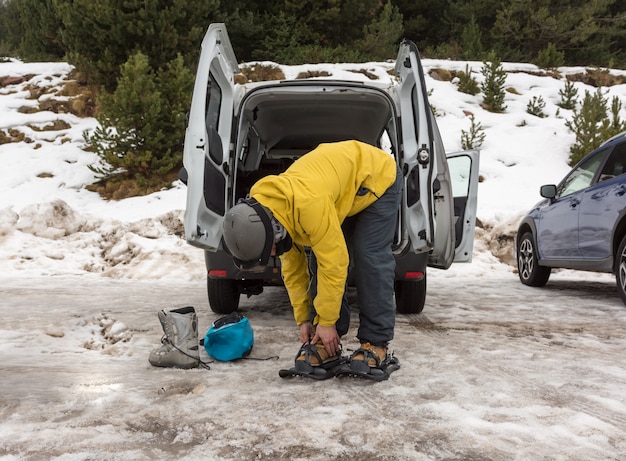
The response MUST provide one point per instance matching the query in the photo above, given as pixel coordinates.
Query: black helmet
(248, 235)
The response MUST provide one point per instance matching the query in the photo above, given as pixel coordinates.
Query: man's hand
(306, 332)
(329, 337)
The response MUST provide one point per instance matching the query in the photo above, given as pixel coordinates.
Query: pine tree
(28, 28)
(330, 30)
(175, 85)
(467, 83)
(129, 138)
(550, 57)
(569, 96)
(536, 106)
(471, 41)
(9, 28)
(616, 124)
(381, 36)
(592, 125)
(493, 84)
(525, 27)
(331, 23)
(475, 137)
(99, 36)
(142, 124)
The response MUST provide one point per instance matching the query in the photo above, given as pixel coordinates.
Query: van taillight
(217, 273)
(414, 275)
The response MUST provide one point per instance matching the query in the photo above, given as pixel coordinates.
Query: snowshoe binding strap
(323, 368)
(309, 358)
(359, 368)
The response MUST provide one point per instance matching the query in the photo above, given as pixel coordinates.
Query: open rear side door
(428, 210)
(463, 167)
(207, 140)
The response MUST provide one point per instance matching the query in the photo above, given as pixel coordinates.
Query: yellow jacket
(311, 199)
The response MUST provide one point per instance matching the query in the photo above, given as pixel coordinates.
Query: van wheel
(223, 295)
(528, 268)
(620, 270)
(410, 296)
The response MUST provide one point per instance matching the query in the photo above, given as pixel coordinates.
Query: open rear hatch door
(428, 211)
(207, 140)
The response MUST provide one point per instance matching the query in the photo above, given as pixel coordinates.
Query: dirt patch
(259, 73)
(499, 239)
(365, 72)
(539, 73)
(597, 78)
(13, 135)
(14, 80)
(121, 188)
(313, 74)
(57, 125)
(443, 75)
(75, 97)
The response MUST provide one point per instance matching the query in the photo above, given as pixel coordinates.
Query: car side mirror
(548, 191)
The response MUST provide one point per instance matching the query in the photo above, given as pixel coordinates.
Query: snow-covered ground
(492, 370)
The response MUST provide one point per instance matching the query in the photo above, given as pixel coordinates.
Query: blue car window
(582, 176)
(616, 164)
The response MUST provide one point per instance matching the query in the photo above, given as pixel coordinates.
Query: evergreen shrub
(536, 106)
(475, 137)
(569, 96)
(467, 83)
(592, 125)
(550, 57)
(142, 124)
(493, 85)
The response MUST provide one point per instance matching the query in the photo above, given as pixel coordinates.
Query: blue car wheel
(529, 271)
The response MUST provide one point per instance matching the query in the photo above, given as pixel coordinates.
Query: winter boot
(315, 355)
(313, 361)
(180, 342)
(370, 362)
(369, 355)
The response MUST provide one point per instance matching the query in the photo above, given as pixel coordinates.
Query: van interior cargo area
(296, 123)
(281, 129)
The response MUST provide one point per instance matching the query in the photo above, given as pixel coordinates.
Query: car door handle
(621, 190)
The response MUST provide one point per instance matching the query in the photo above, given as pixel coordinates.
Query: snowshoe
(366, 363)
(312, 361)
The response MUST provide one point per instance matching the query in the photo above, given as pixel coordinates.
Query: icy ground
(491, 371)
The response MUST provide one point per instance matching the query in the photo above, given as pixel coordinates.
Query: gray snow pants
(369, 236)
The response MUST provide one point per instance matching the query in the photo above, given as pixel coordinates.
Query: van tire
(223, 295)
(410, 296)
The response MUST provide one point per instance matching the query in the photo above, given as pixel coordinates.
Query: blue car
(581, 223)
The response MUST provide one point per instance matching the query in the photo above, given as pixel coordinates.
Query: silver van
(238, 133)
